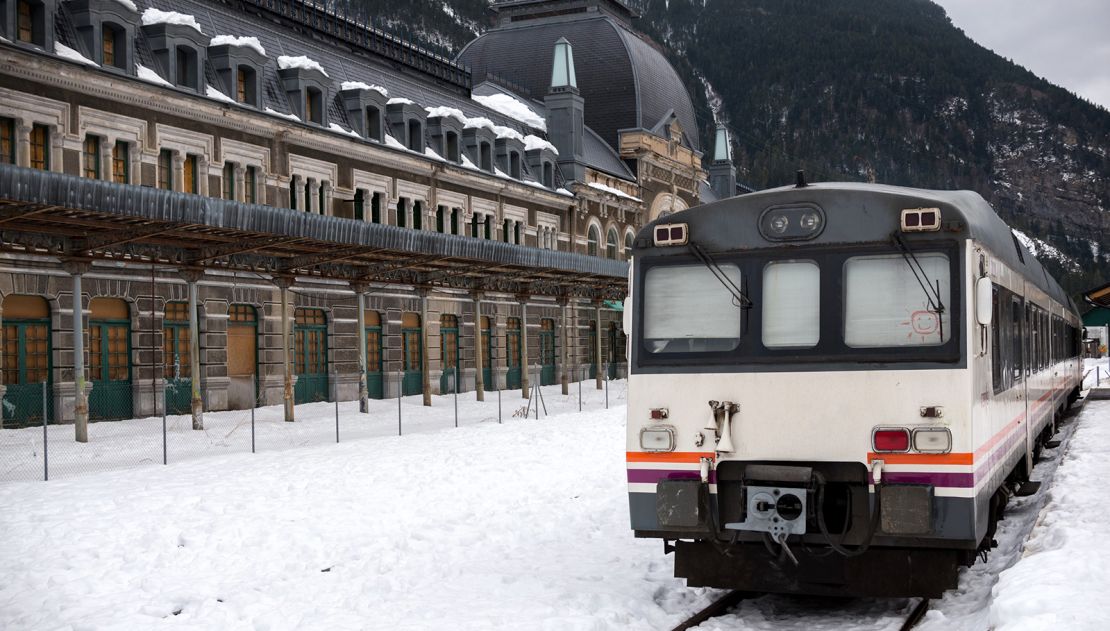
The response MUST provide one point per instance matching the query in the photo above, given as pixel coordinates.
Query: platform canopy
(75, 218)
(1099, 296)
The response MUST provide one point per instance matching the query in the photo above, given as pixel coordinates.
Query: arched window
(373, 123)
(628, 245)
(113, 46)
(314, 106)
(416, 136)
(452, 148)
(246, 85)
(30, 22)
(593, 236)
(187, 67)
(611, 244)
(486, 156)
(548, 175)
(514, 165)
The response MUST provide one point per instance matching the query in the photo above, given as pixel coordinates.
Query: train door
(310, 355)
(512, 354)
(176, 358)
(109, 359)
(487, 353)
(449, 343)
(547, 351)
(242, 357)
(26, 361)
(412, 381)
(374, 387)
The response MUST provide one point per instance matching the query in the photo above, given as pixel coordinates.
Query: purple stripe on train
(653, 476)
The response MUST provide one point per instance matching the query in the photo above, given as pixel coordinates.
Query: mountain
(883, 90)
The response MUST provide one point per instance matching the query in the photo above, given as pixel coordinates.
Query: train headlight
(671, 234)
(920, 220)
(657, 438)
(797, 222)
(932, 440)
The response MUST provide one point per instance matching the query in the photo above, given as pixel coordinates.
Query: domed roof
(625, 80)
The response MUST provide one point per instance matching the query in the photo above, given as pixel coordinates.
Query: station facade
(284, 104)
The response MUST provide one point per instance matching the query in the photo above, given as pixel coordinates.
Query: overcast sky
(1064, 41)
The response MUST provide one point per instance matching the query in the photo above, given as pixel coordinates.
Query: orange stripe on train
(668, 456)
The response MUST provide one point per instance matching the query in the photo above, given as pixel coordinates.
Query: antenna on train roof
(801, 179)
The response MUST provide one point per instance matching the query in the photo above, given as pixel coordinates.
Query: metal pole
(335, 380)
(45, 443)
(165, 455)
(498, 406)
(254, 389)
(542, 402)
(455, 378)
(607, 385)
(400, 391)
(580, 389)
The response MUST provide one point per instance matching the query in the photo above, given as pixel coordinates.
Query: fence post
(254, 391)
(606, 386)
(45, 442)
(499, 406)
(165, 454)
(455, 378)
(400, 392)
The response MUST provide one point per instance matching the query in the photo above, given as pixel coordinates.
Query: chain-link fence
(35, 445)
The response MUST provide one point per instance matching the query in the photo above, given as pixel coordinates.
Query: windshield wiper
(931, 292)
(738, 297)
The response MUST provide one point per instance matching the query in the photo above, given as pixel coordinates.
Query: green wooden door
(26, 367)
(512, 354)
(310, 355)
(374, 387)
(176, 369)
(547, 352)
(449, 347)
(412, 381)
(110, 369)
(487, 369)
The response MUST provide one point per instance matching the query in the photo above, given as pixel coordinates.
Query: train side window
(996, 343)
(1016, 338)
(791, 304)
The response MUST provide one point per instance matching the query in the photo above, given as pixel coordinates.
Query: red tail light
(891, 439)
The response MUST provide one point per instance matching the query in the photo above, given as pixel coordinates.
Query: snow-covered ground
(522, 525)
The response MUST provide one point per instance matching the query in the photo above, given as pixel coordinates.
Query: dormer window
(514, 165)
(374, 123)
(487, 156)
(186, 67)
(314, 106)
(246, 86)
(106, 29)
(452, 146)
(548, 175)
(31, 22)
(416, 136)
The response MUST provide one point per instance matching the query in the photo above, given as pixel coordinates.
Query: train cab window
(688, 310)
(791, 304)
(886, 306)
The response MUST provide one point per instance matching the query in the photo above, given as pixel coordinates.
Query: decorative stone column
(360, 303)
(106, 164)
(23, 144)
(425, 379)
(324, 192)
(178, 171)
(479, 345)
(80, 395)
(524, 365)
(284, 283)
(597, 340)
(196, 403)
(240, 183)
(57, 150)
(312, 204)
(564, 360)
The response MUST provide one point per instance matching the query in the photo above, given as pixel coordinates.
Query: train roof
(856, 213)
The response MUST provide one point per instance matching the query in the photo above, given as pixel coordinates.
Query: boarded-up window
(242, 341)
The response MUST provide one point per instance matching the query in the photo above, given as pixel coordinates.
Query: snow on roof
(399, 100)
(301, 61)
(358, 85)
(446, 112)
(507, 105)
(532, 143)
(468, 164)
(614, 191)
(65, 52)
(348, 132)
(146, 74)
(213, 93)
(563, 191)
(478, 122)
(249, 42)
(292, 117)
(433, 155)
(507, 132)
(390, 141)
(129, 5)
(154, 16)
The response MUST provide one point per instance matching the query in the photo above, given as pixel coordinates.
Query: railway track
(722, 605)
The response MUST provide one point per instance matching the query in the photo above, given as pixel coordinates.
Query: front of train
(799, 415)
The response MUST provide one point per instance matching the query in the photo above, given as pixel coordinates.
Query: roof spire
(562, 68)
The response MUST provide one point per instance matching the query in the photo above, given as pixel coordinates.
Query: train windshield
(687, 309)
(886, 305)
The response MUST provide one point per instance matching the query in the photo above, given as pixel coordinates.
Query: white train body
(905, 449)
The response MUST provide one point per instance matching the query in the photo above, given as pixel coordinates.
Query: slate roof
(625, 81)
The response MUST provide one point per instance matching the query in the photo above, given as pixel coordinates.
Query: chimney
(722, 173)
(566, 113)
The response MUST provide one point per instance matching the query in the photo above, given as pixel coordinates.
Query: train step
(1027, 488)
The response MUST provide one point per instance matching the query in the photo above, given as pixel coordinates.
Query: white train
(834, 388)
